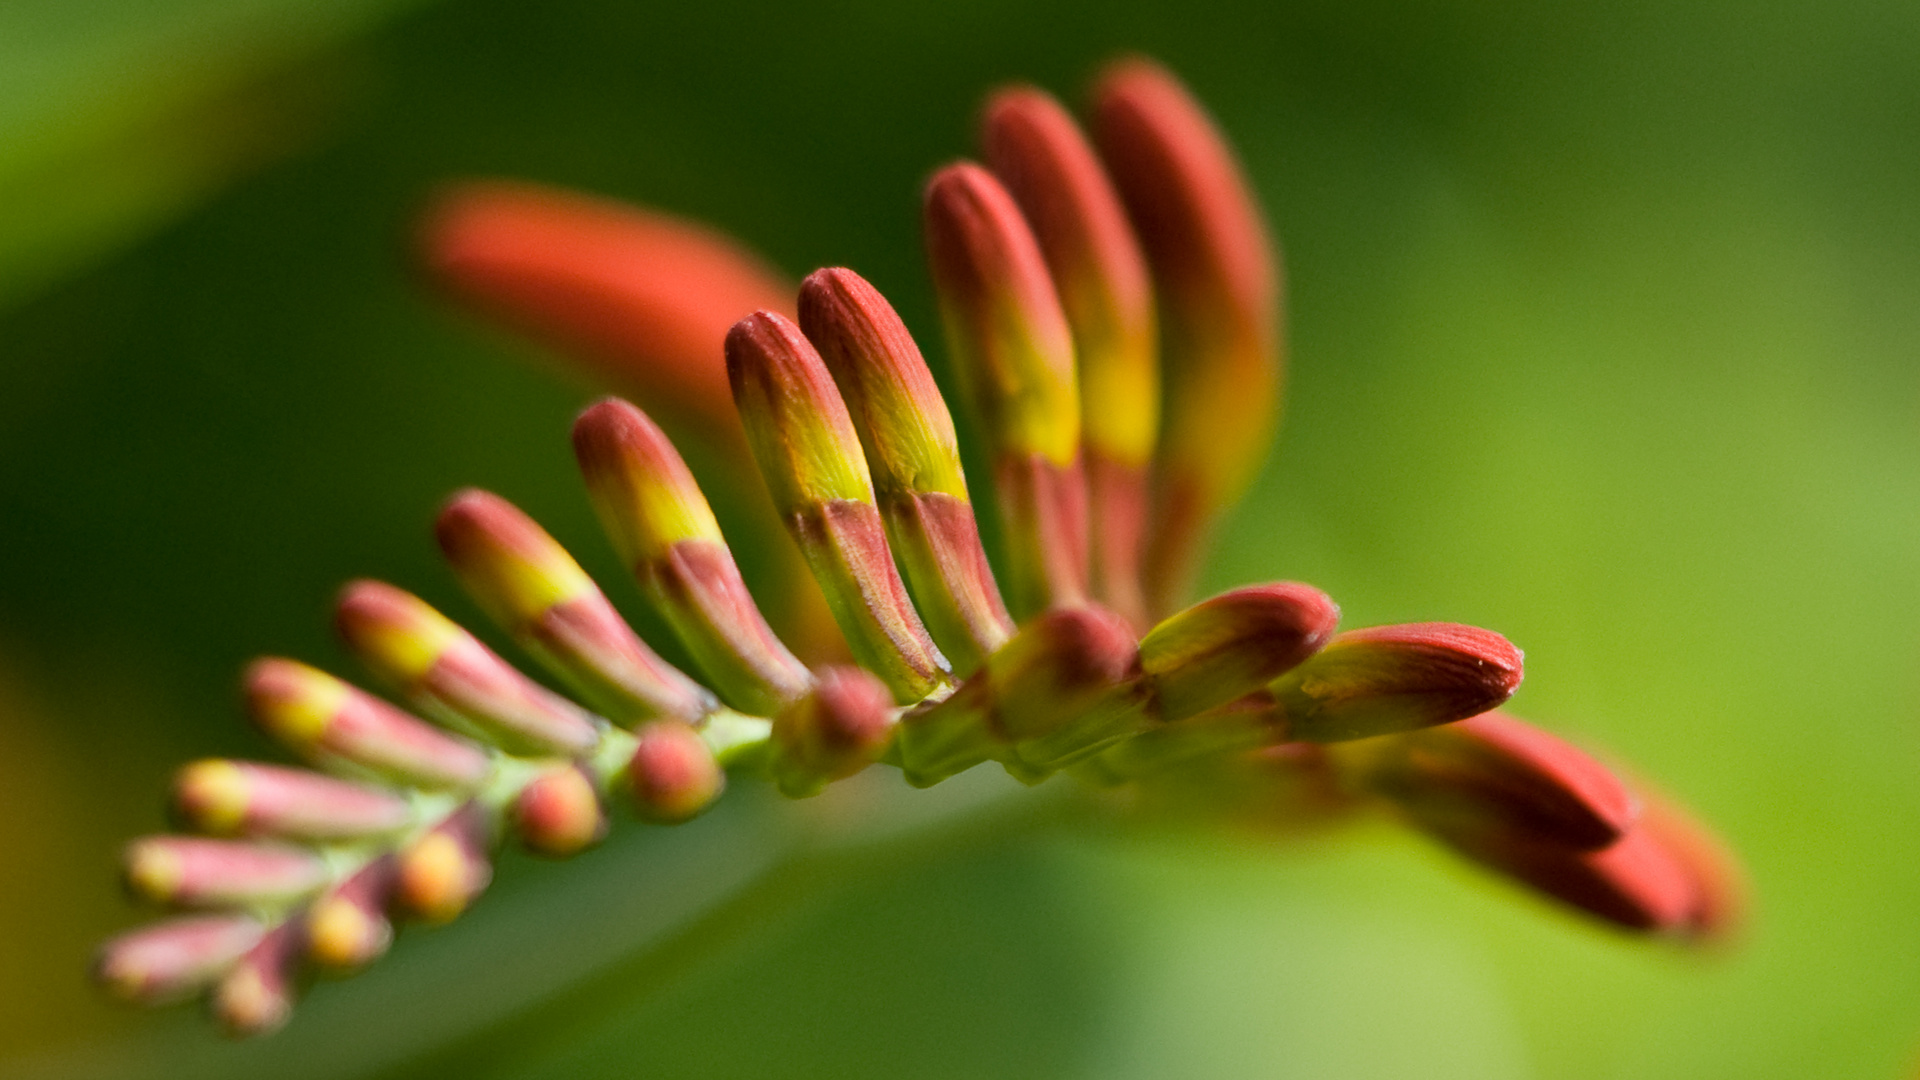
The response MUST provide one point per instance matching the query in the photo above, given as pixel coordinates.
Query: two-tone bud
(172, 960)
(558, 813)
(1100, 276)
(445, 869)
(1218, 287)
(332, 724)
(839, 728)
(1065, 686)
(804, 441)
(449, 675)
(1013, 352)
(528, 584)
(1388, 679)
(664, 531)
(347, 927)
(256, 994)
(907, 434)
(241, 798)
(193, 872)
(673, 773)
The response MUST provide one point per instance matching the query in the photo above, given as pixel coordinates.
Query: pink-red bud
(329, 722)
(1387, 679)
(840, 728)
(673, 773)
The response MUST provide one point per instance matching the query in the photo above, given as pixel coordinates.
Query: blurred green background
(1605, 327)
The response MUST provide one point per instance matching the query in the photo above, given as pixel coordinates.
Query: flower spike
(1218, 285)
(1039, 153)
(535, 591)
(1248, 705)
(664, 531)
(908, 436)
(1013, 352)
(807, 448)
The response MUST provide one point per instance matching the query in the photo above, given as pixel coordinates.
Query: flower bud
(1097, 267)
(1719, 889)
(840, 728)
(169, 961)
(256, 996)
(329, 722)
(239, 798)
(1232, 645)
(673, 773)
(644, 297)
(1013, 352)
(449, 675)
(1493, 771)
(347, 929)
(534, 590)
(1389, 679)
(908, 437)
(185, 871)
(1065, 686)
(444, 871)
(803, 438)
(1218, 286)
(557, 814)
(1635, 882)
(664, 531)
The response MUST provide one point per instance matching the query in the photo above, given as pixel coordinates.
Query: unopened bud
(1388, 679)
(448, 674)
(557, 814)
(186, 871)
(807, 449)
(645, 297)
(1013, 352)
(839, 728)
(1097, 267)
(328, 721)
(910, 445)
(169, 961)
(445, 870)
(1065, 686)
(534, 589)
(239, 798)
(1218, 286)
(347, 928)
(665, 532)
(1635, 882)
(1233, 644)
(256, 996)
(673, 773)
(1495, 772)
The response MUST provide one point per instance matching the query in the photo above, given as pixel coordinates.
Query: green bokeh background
(1604, 325)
